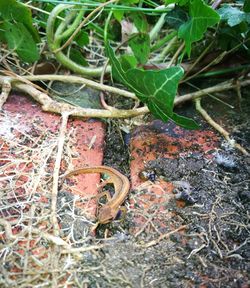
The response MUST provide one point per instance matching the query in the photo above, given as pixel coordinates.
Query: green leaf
(201, 17)
(176, 17)
(77, 57)
(140, 21)
(140, 45)
(16, 12)
(246, 6)
(233, 16)
(118, 14)
(229, 37)
(82, 39)
(179, 2)
(184, 122)
(20, 41)
(157, 89)
(128, 61)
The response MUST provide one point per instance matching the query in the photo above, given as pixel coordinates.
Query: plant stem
(72, 27)
(156, 29)
(54, 46)
(160, 58)
(163, 41)
(223, 71)
(176, 54)
(197, 60)
(51, 23)
(84, 22)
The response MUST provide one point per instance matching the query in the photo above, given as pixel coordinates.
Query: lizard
(110, 210)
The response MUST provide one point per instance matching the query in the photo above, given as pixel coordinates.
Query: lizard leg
(104, 194)
(121, 215)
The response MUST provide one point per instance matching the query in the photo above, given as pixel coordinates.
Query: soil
(214, 249)
(116, 148)
(214, 198)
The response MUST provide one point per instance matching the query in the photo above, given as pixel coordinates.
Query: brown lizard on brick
(110, 210)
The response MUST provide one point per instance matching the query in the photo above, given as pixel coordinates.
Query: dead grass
(31, 252)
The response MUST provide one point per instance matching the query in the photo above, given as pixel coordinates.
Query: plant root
(163, 236)
(6, 88)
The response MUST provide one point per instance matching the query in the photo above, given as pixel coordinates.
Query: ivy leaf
(230, 37)
(19, 40)
(246, 6)
(16, 12)
(176, 17)
(82, 39)
(76, 56)
(233, 16)
(179, 2)
(140, 45)
(128, 61)
(118, 14)
(157, 89)
(140, 21)
(17, 31)
(201, 17)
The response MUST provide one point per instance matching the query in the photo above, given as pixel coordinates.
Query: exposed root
(51, 105)
(6, 88)
(214, 89)
(49, 237)
(163, 236)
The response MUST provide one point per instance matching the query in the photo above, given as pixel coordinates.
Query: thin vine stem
(54, 42)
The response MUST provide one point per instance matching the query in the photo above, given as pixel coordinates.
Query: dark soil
(218, 233)
(116, 148)
(213, 251)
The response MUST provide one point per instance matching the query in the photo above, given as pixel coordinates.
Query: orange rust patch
(162, 140)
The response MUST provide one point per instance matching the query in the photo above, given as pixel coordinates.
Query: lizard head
(106, 215)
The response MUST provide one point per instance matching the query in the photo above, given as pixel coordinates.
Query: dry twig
(61, 140)
(163, 236)
(217, 127)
